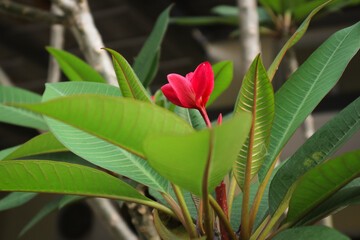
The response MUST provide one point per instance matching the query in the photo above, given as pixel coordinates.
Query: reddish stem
(220, 191)
(205, 116)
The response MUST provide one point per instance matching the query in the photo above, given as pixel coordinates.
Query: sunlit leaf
(19, 116)
(75, 68)
(321, 182)
(182, 158)
(44, 143)
(105, 154)
(256, 97)
(296, 99)
(319, 147)
(129, 83)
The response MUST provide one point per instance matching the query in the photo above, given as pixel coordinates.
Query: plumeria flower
(192, 91)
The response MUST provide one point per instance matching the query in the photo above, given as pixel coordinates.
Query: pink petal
(183, 89)
(219, 121)
(189, 76)
(203, 81)
(170, 94)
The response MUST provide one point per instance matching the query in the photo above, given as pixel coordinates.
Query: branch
(249, 32)
(4, 79)
(57, 41)
(30, 13)
(81, 24)
(106, 211)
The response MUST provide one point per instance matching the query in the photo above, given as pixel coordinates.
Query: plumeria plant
(96, 135)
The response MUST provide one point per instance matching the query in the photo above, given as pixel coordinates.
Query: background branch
(30, 13)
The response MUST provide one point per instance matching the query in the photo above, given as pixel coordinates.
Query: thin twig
(106, 211)
(57, 41)
(4, 79)
(30, 13)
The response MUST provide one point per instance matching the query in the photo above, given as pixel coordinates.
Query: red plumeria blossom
(192, 91)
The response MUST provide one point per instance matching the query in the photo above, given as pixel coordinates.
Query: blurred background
(124, 26)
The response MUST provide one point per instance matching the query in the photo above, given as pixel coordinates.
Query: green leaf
(275, 5)
(44, 143)
(223, 75)
(46, 210)
(64, 178)
(311, 233)
(129, 83)
(7, 151)
(153, 70)
(182, 158)
(18, 116)
(225, 10)
(191, 116)
(75, 68)
(67, 199)
(292, 40)
(105, 154)
(319, 147)
(348, 195)
(321, 182)
(149, 54)
(257, 97)
(296, 99)
(15, 199)
(120, 121)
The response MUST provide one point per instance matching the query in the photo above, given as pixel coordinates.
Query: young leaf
(129, 83)
(166, 233)
(182, 158)
(97, 150)
(148, 57)
(46, 210)
(293, 39)
(44, 143)
(18, 116)
(64, 178)
(311, 233)
(75, 68)
(256, 97)
(321, 182)
(15, 199)
(296, 99)
(223, 74)
(319, 147)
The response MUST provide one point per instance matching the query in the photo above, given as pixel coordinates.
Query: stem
(205, 116)
(231, 194)
(223, 218)
(259, 195)
(220, 191)
(178, 213)
(260, 228)
(188, 221)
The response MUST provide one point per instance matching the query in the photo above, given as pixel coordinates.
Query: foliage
(98, 135)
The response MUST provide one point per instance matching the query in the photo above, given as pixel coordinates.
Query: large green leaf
(321, 182)
(129, 83)
(308, 85)
(15, 199)
(223, 74)
(192, 116)
(348, 195)
(121, 121)
(44, 143)
(182, 158)
(311, 233)
(149, 54)
(64, 178)
(18, 116)
(75, 68)
(292, 40)
(319, 147)
(256, 97)
(105, 154)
